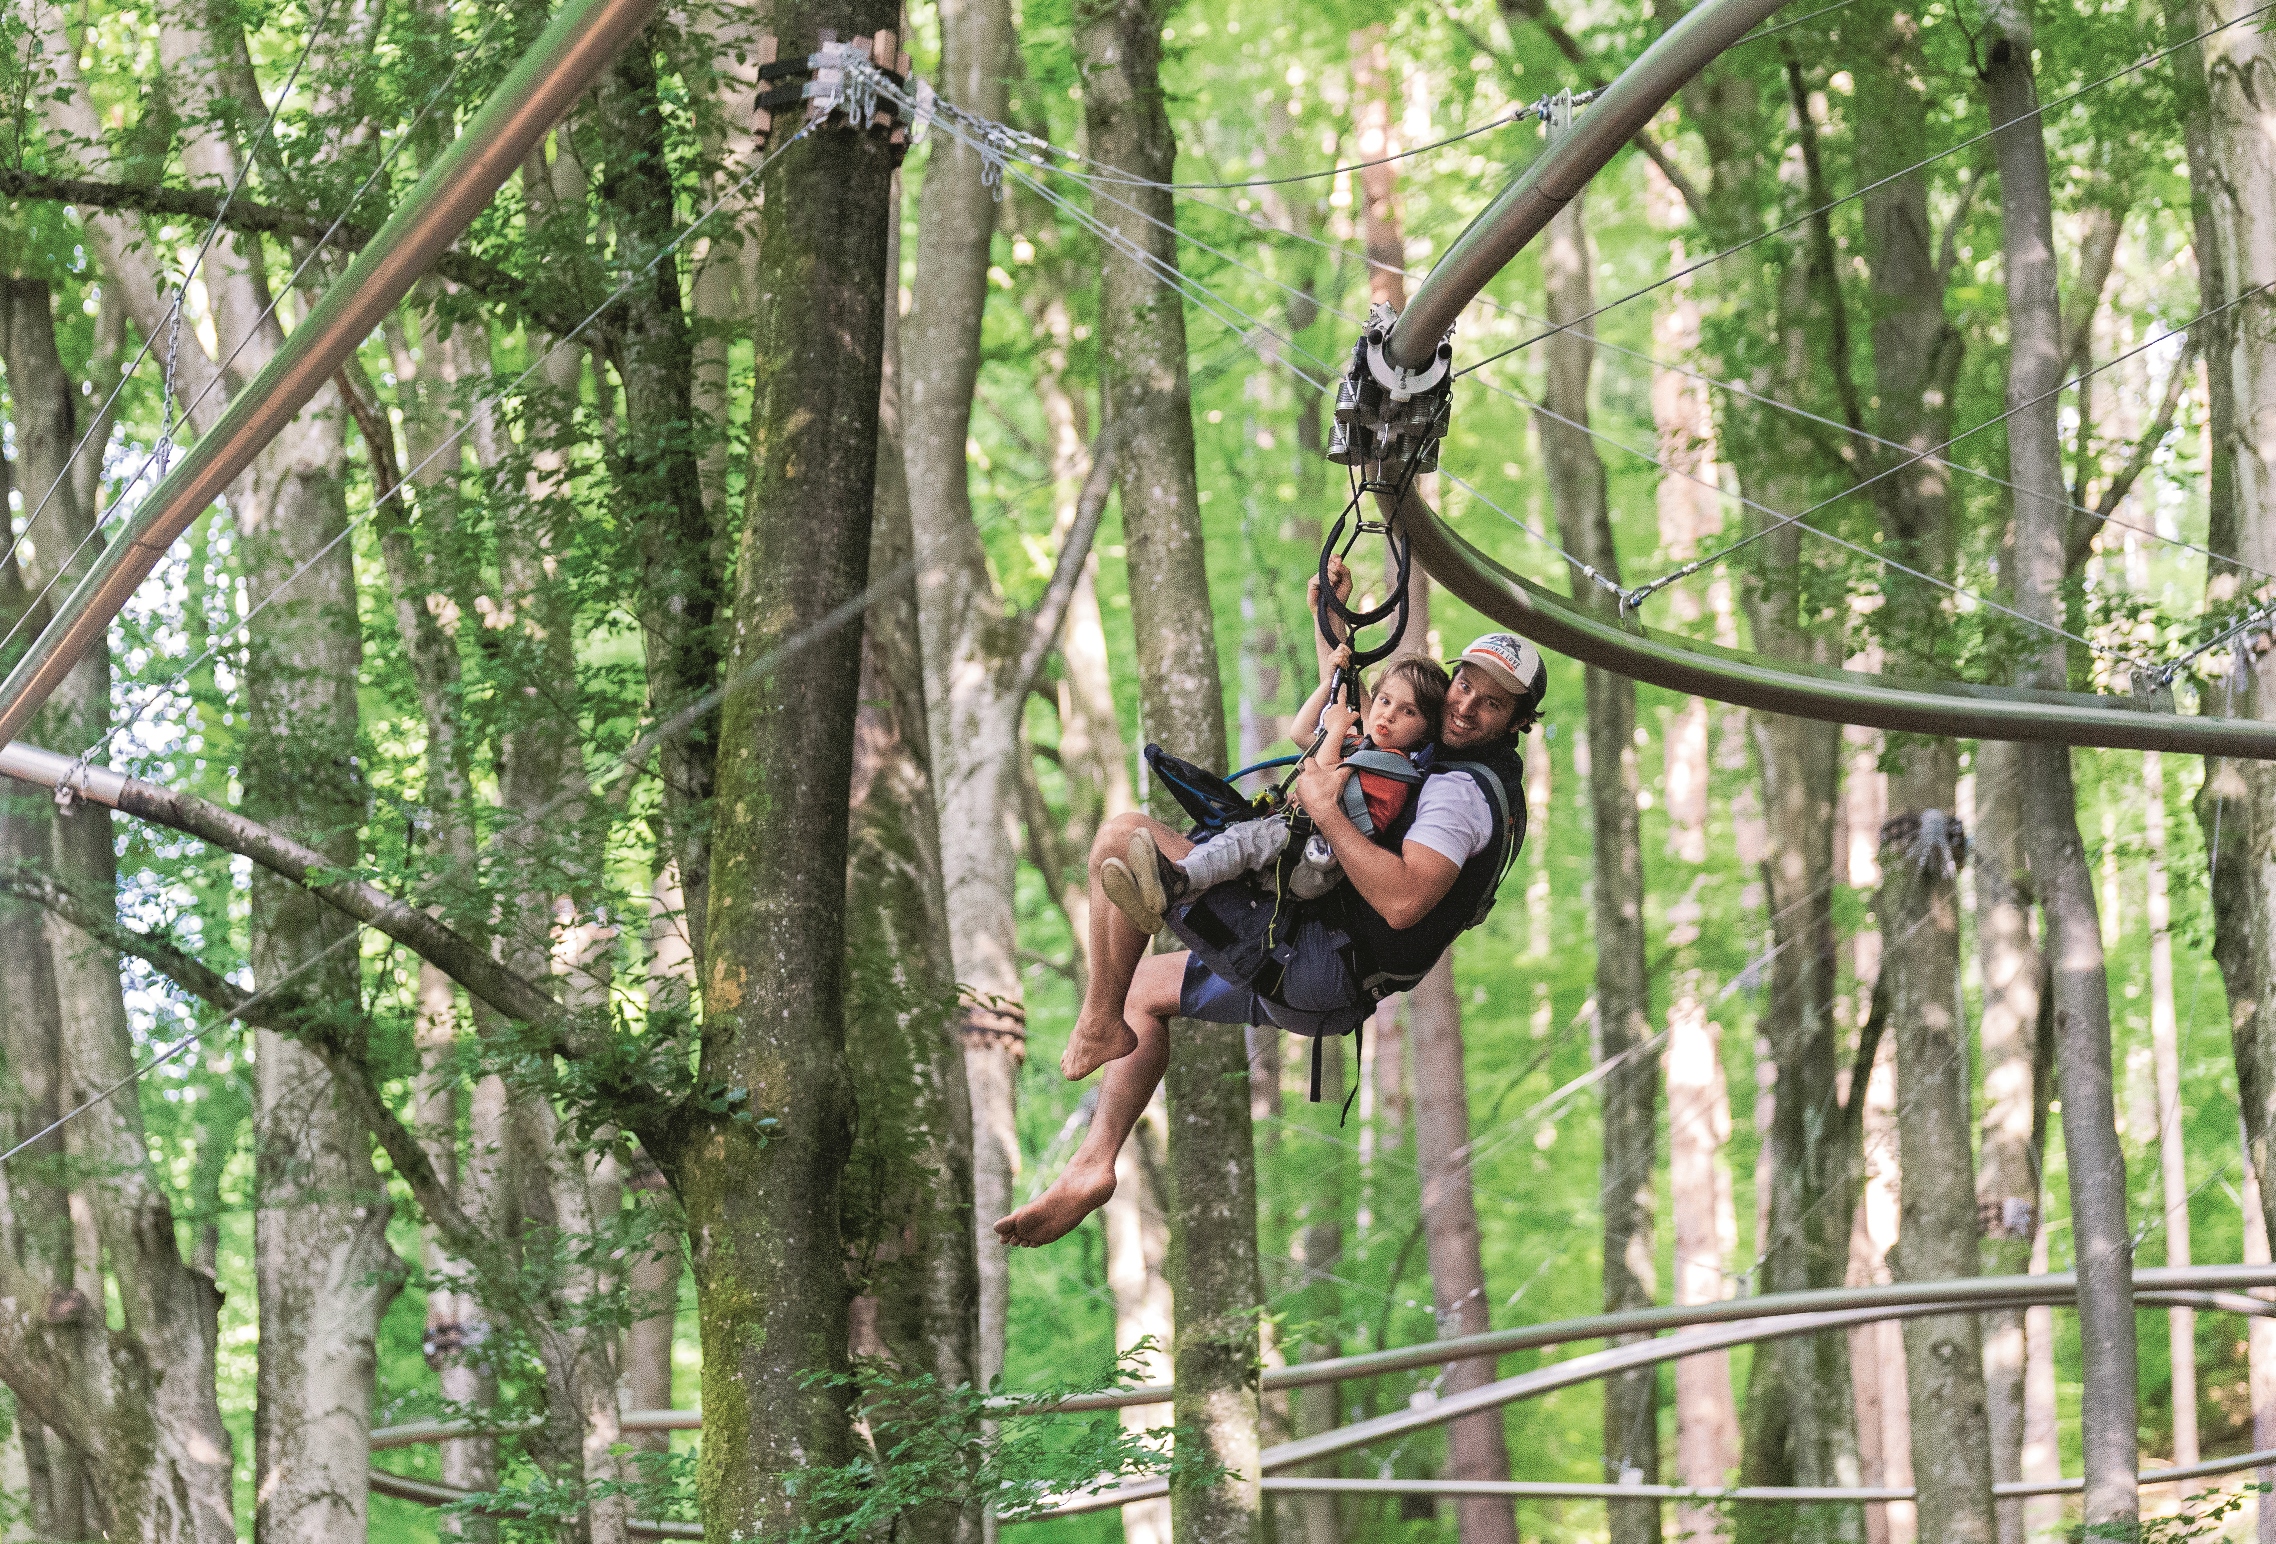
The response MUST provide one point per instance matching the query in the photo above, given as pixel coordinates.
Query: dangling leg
(1083, 1187)
(1116, 947)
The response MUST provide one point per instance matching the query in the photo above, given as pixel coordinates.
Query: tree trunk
(763, 1201)
(970, 640)
(324, 1267)
(1137, 1225)
(1937, 1238)
(2225, 88)
(657, 468)
(1623, 989)
(148, 1421)
(2057, 855)
(35, 1197)
(2260, 1359)
(1916, 360)
(1320, 1255)
(1477, 1448)
(2173, 1158)
(907, 1203)
(1699, 1123)
(1146, 395)
(2008, 1161)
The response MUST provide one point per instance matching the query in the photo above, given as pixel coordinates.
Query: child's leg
(1116, 948)
(1123, 1095)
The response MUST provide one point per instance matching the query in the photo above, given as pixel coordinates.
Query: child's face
(1394, 721)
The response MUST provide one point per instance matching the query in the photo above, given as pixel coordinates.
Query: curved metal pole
(1526, 206)
(1955, 710)
(2212, 1287)
(582, 37)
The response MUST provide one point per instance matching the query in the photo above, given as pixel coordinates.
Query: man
(1407, 906)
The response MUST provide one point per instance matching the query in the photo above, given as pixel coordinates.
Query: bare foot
(1092, 1046)
(1057, 1212)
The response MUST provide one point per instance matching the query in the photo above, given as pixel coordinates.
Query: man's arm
(1402, 886)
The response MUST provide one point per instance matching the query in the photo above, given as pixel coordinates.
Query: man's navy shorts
(1209, 997)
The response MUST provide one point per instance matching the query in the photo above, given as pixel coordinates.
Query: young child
(1402, 716)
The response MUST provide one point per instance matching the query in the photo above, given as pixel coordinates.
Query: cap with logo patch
(1512, 664)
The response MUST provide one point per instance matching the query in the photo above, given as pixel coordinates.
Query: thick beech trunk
(1476, 1447)
(1916, 360)
(1623, 988)
(2233, 194)
(1142, 356)
(971, 642)
(2057, 855)
(763, 1201)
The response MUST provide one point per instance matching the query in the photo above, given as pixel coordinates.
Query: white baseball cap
(1512, 664)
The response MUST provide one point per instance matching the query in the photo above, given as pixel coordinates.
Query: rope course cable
(450, 441)
(174, 322)
(2041, 111)
(169, 428)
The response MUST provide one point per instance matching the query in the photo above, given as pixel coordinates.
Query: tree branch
(464, 269)
(2082, 526)
(1050, 613)
(287, 1016)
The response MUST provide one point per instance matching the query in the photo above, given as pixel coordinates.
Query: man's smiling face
(1477, 710)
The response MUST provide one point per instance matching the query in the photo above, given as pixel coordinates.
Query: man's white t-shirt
(1452, 818)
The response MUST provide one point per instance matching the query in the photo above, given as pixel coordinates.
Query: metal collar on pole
(576, 45)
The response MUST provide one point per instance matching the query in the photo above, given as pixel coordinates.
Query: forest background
(453, 632)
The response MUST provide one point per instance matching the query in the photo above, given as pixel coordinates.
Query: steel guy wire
(168, 430)
(2040, 111)
(197, 260)
(1645, 591)
(1788, 26)
(450, 440)
(1630, 599)
(1736, 388)
(630, 758)
(1108, 173)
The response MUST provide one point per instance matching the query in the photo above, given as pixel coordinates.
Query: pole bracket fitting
(839, 79)
(1387, 415)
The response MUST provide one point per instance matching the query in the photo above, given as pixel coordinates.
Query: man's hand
(1339, 577)
(1319, 784)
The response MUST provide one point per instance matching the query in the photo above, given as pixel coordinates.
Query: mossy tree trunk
(760, 1157)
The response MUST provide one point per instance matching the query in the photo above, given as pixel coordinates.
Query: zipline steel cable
(169, 426)
(582, 37)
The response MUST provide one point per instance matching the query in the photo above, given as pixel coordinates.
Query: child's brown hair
(1427, 679)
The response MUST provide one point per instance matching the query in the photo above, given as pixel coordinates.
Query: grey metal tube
(1527, 205)
(582, 37)
(1954, 710)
